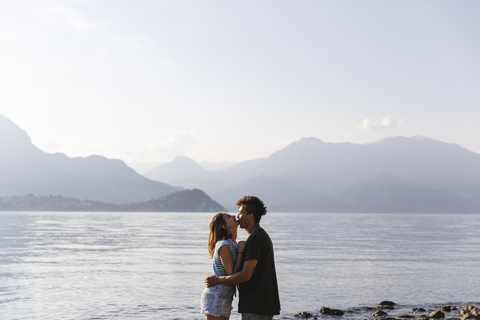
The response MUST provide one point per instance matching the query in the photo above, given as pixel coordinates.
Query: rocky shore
(389, 310)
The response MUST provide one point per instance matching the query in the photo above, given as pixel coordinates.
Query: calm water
(153, 265)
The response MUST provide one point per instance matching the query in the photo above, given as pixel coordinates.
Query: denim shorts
(217, 301)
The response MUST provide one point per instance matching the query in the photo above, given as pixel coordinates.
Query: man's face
(242, 217)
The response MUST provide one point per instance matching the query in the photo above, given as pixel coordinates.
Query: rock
(470, 309)
(387, 303)
(447, 308)
(304, 315)
(470, 312)
(471, 316)
(334, 312)
(437, 314)
(379, 313)
(386, 307)
(406, 316)
(418, 310)
(467, 310)
(368, 308)
(423, 317)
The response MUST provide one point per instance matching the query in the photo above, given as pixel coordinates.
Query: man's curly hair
(253, 205)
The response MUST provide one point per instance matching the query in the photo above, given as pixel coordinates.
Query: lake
(78, 265)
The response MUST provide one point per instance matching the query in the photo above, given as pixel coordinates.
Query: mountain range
(25, 169)
(396, 174)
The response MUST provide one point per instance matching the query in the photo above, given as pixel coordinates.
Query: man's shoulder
(259, 235)
(256, 233)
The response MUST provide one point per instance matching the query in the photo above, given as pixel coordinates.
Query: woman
(216, 302)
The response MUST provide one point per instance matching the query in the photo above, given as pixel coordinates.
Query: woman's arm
(238, 263)
(226, 257)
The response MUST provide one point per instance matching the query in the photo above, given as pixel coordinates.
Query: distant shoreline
(194, 200)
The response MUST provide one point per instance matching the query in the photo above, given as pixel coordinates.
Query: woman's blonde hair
(217, 232)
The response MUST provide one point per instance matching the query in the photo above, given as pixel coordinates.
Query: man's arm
(238, 263)
(243, 275)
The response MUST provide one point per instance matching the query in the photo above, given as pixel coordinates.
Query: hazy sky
(237, 80)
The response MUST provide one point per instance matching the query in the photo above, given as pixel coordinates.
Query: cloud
(174, 144)
(178, 142)
(348, 135)
(369, 125)
(52, 145)
(387, 122)
(344, 136)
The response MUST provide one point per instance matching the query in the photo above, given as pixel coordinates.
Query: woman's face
(230, 221)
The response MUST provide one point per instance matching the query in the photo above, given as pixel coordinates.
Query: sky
(221, 80)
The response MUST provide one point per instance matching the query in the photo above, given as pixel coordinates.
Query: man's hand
(210, 281)
(240, 246)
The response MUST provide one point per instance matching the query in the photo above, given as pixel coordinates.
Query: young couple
(249, 264)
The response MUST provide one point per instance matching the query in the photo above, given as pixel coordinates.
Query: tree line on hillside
(183, 201)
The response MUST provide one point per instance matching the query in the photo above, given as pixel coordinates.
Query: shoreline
(389, 310)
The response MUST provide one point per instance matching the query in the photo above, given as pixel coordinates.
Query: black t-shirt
(260, 294)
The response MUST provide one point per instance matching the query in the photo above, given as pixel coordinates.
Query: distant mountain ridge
(143, 167)
(25, 169)
(396, 174)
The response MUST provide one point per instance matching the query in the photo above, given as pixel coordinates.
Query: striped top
(218, 268)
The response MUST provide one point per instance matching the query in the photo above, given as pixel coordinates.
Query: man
(258, 287)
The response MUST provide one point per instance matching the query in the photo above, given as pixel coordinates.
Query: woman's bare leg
(210, 317)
